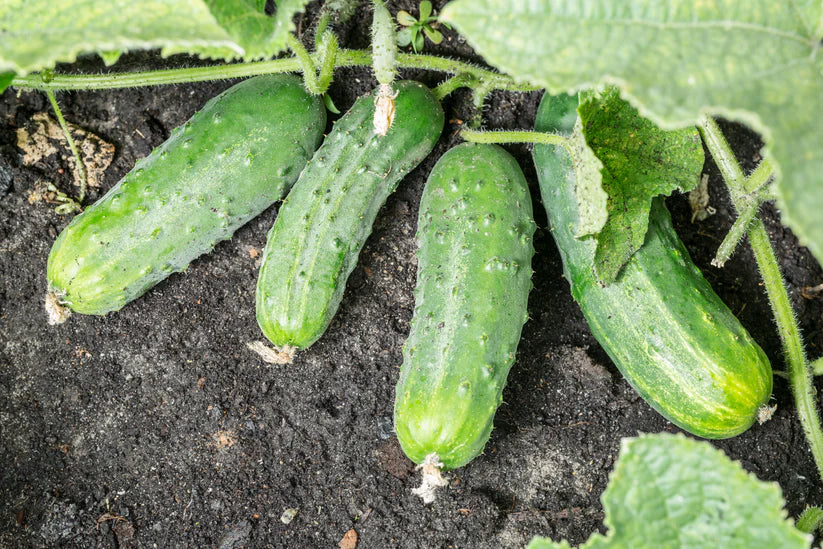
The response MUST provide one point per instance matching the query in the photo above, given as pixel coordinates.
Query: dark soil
(156, 427)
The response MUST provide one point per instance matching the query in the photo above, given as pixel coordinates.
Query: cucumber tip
(56, 310)
(432, 478)
(274, 354)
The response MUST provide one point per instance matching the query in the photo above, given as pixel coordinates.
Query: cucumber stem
(761, 175)
(800, 377)
(810, 520)
(322, 25)
(273, 354)
(79, 168)
(328, 51)
(432, 479)
(757, 192)
(384, 109)
(462, 80)
(306, 63)
(476, 136)
(344, 58)
(735, 234)
(55, 310)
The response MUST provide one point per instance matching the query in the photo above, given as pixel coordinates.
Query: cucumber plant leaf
(342, 9)
(673, 491)
(5, 80)
(36, 34)
(259, 35)
(756, 61)
(640, 161)
(592, 200)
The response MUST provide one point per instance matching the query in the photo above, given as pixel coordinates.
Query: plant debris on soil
(156, 426)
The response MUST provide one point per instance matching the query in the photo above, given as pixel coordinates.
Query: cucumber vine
(747, 192)
(799, 370)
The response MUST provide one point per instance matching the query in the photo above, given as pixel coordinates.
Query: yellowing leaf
(259, 35)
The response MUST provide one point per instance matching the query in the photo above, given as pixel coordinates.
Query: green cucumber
(227, 164)
(475, 232)
(661, 323)
(326, 218)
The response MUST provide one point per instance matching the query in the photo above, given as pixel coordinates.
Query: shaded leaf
(404, 37)
(418, 41)
(674, 60)
(257, 33)
(592, 200)
(343, 8)
(39, 33)
(669, 491)
(640, 162)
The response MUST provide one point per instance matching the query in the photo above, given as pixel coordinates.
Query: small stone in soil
(385, 427)
(288, 515)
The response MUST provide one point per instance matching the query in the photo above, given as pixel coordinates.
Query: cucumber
(227, 164)
(475, 232)
(326, 218)
(661, 323)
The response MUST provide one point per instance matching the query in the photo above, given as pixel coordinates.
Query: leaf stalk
(477, 136)
(79, 168)
(344, 58)
(800, 375)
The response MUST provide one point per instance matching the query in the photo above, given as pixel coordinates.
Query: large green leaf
(257, 33)
(752, 60)
(640, 161)
(39, 33)
(669, 491)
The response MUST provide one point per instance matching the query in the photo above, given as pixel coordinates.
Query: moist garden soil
(155, 426)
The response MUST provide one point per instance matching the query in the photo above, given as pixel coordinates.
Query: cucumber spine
(227, 164)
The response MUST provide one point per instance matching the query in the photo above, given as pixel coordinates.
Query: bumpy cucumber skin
(227, 164)
(661, 322)
(475, 232)
(325, 220)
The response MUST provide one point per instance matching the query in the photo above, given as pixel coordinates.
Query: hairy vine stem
(344, 58)
(799, 371)
(810, 520)
(461, 80)
(476, 136)
(736, 233)
(78, 162)
(306, 64)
